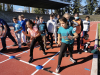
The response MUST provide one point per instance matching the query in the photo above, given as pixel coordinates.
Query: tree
(76, 6)
(9, 7)
(91, 5)
(39, 10)
(0, 7)
(97, 12)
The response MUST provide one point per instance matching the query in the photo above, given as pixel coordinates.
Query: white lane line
(4, 61)
(50, 59)
(34, 72)
(22, 53)
(45, 64)
(26, 51)
(28, 63)
(4, 54)
(7, 46)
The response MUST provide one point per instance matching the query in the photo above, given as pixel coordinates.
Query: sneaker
(66, 55)
(79, 52)
(85, 50)
(4, 49)
(44, 53)
(50, 44)
(40, 48)
(46, 48)
(51, 47)
(28, 41)
(31, 60)
(19, 49)
(24, 44)
(71, 59)
(56, 43)
(14, 45)
(57, 69)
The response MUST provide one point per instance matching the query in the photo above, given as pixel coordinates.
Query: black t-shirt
(2, 23)
(42, 27)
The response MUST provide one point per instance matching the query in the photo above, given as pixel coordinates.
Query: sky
(21, 8)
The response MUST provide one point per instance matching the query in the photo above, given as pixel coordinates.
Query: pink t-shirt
(33, 32)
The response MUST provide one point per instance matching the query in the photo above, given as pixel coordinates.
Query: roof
(48, 4)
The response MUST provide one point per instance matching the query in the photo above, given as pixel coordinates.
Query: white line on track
(4, 61)
(46, 63)
(28, 63)
(4, 54)
(22, 53)
(26, 51)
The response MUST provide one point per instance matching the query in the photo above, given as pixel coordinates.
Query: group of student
(62, 29)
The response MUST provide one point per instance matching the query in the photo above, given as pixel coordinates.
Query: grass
(99, 50)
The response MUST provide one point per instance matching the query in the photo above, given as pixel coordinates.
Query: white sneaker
(57, 69)
(85, 50)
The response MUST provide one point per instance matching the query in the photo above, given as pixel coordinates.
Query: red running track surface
(22, 67)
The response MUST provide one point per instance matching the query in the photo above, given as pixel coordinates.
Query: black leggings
(51, 36)
(63, 49)
(27, 38)
(39, 39)
(3, 39)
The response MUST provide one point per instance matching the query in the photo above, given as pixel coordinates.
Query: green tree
(0, 7)
(97, 12)
(91, 5)
(76, 6)
(37, 10)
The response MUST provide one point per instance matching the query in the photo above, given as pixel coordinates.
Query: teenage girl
(68, 35)
(35, 36)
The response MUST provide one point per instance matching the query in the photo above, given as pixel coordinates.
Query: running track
(20, 66)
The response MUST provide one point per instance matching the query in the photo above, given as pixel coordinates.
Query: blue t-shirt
(17, 26)
(23, 23)
(65, 33)
(2, 23)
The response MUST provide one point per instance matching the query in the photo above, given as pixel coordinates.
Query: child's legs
(78, 43)
(48, 37)
(27, 38)
(62, 50)
(19, 39)
(44, 39)
(51, 35)
(70, 49)
(55, 34)
(32, 47)
(40, 41)
(11, 37)
(23, 38)
(84, 32)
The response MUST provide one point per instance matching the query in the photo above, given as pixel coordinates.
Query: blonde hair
(22, 16)
(66, 14)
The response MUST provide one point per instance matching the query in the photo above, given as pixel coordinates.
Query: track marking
(45, 64)
(4, 54)
(28, 63)
(26, 50)
(22, 53)
(4, 61)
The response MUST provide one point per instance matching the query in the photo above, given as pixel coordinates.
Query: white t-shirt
(86, 25)
(51, 25)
